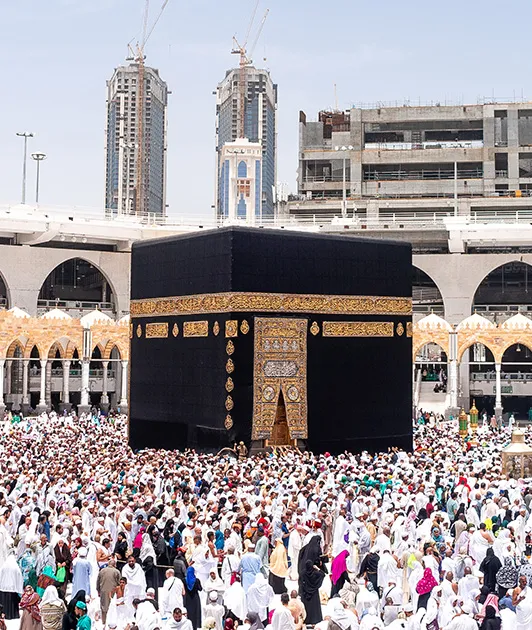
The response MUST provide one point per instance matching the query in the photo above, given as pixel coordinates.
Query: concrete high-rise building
(122, 140)
(260, 126)
(423, 159)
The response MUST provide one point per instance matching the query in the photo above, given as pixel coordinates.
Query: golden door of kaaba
(280, 380)
(280, 435)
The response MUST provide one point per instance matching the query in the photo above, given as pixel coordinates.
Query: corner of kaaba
(273, 338)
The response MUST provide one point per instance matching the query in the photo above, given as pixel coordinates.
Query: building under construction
(135, 158)
(259, 118)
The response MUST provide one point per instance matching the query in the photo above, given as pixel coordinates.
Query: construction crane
(246, 59)
(139, 57)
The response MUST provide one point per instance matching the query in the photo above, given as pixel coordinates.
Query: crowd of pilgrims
(95, 535)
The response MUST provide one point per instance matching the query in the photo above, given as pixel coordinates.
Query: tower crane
(139, 57)
(246, 59)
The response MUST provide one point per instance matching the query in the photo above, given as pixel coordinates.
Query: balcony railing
(435, 144)
(423, 174)
(505, 376)
(73, 372)
(44, 306)
(313, 179)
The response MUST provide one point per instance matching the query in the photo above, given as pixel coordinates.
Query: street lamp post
(38, 157)
(343, 149)
(25, 135)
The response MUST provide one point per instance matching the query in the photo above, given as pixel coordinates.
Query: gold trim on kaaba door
(280, 364)
(271, 302)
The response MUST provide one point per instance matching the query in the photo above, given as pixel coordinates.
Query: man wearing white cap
(82, 572)
(171, 594)
(250, 565)
(214, 609)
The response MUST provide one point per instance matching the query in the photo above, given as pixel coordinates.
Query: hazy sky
(57, 54)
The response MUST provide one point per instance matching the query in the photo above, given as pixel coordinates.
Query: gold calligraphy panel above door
(280, 364)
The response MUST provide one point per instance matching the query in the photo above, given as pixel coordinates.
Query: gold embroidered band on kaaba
(358, 329)
(271, 302)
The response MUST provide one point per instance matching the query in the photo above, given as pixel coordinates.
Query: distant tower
(260, 127)
(122, 142)
(240, 188)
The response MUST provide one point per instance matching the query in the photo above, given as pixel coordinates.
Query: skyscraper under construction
(135, 157)
(252, 89)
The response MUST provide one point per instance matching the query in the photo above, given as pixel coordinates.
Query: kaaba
(273, 338)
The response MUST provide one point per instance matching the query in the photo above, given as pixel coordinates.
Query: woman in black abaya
(489, 567)
(311, 552)
(310, 580)
(70, 620)
(192, 598)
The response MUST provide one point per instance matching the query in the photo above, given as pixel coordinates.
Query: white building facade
(240, 181)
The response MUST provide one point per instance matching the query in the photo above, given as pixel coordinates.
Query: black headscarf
(311, 552)
(310, 581)
(490, 621)
(80, 596)
(484, 592)
(489, 567)
(70, 621)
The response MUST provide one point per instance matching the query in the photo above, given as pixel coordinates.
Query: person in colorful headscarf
(339, 574)
(507, 576)
(192, 598)
(278, 568)
(424, 588)
(29, 605)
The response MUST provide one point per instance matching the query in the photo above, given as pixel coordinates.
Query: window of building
(242, 170)
(244, 187)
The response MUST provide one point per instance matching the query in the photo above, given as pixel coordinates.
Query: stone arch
(517, 340)
(471, 340)
(423, 337)
(110, 346)
(70, 350)
(4, 289)
(54, 347)
(428, 342)
(100, 345)
(30, 345)
(84, 259)
(426, 294)
(513, 288)
(13, 345)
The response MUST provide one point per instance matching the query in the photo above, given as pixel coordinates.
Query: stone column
(452, 380)
(498, 391)
(453, 384)
(65, 398)
(2, 405)
(123, 396)
(41, 407)
(25, 403)
(9, 375)
(104, 400)
(49, 384)
(84, 406)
